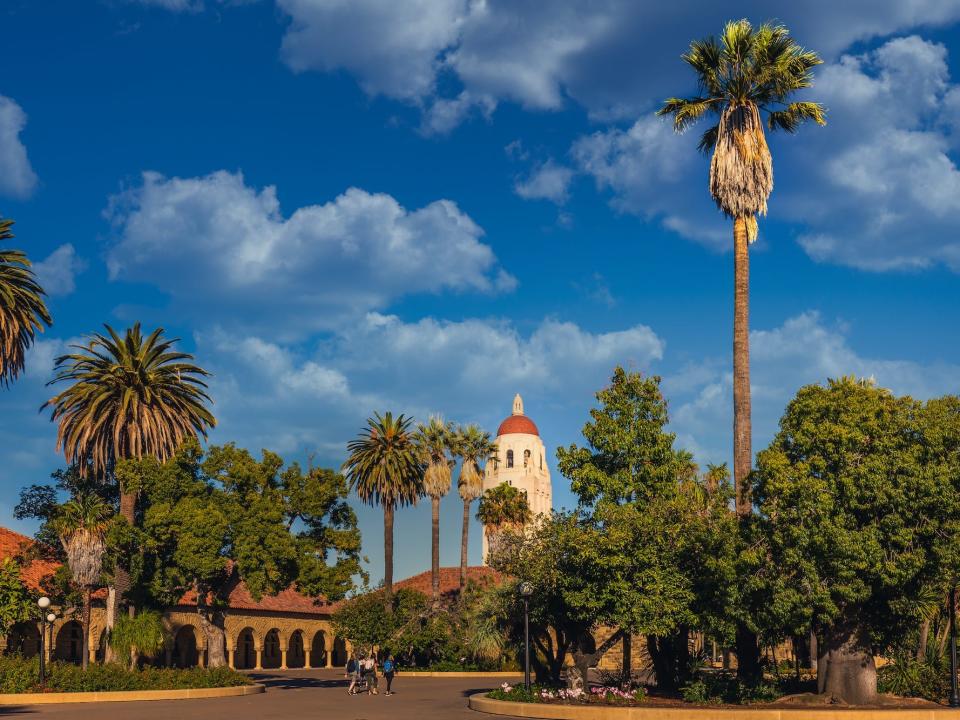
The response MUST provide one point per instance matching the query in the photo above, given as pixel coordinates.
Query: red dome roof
(517, 424)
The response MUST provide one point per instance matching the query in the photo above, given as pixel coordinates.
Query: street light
(43, 603)
(526, 591)
(954, 696)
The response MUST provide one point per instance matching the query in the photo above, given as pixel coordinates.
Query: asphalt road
(292, 695)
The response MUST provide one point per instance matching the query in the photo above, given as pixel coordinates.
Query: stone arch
(296, 652)
(68, 646)
(186, 651)
(272, 643)
(245, 654)
(339, 652)
(24, 638)
(318, 649)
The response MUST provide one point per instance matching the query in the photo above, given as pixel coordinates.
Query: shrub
(908, 677)
(517, 693)
(20, 675)
(717, 688)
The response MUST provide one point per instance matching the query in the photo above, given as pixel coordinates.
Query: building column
(283, 659)
(201, 657)
(230, 659)
(257, 665)
(329, 662)
(306, 659)
(92, 653)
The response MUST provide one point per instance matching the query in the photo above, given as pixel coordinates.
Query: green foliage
(143, 634)
(19, 675)
(367, 620)
(504, 506)
(906, 676)
(16, 605)
(384, 465)
(516, 693)
(715, 688)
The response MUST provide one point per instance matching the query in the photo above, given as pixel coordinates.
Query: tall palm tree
(474, 447)
(384, 468)
(128, 397)
(23, 311)
(81, 525)
(742, 74)
(503, 508)
(433, 441)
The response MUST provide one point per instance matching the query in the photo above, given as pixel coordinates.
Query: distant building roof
(14, 544)
(450, 579)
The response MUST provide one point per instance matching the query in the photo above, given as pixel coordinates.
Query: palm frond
(794, 115)
(709, 139)
(384, 466)
(686, 111)
(706, 58)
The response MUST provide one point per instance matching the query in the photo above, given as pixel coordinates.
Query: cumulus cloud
(57, 272)
(803, 350)
(549, 181)
(17, 178)
(612, 57)
(214, 242)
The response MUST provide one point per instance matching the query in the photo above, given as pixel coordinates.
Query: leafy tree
(16, 605)
(854, 516)
(743, 73)
(23, 312)
(433, 440)
(82, 526)
(128, 397)
(384, 468)
(376, 620)
(474, 447)
(138, 636)
(503, 508)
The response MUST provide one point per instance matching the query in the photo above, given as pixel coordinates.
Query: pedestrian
(370, 674)
(353, 673)
(389, 669)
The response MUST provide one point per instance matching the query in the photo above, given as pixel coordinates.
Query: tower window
(526, 458)
(541, 461)
(509, 458)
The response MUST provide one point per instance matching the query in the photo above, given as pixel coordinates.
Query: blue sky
(427, 206)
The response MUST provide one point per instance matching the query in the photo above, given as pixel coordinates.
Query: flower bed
(599, 695)
(19, 675)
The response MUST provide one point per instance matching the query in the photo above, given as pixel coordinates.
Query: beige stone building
(521, 462)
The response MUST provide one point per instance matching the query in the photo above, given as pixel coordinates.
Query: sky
(427, 206)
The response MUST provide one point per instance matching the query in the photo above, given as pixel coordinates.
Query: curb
(481, 703)
(128, 695)
(457, 674)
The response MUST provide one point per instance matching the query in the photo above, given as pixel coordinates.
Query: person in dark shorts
(389, 670)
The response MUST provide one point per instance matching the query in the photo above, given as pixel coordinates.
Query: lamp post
(526, 591)
(954, 696)
(43, 603)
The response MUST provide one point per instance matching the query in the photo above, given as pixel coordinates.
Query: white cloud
(214, 242)
(549, 181)
(613, 57)
(57, 272)
(17, 178)
(802, 351)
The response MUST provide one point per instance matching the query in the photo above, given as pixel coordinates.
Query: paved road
(293, 695)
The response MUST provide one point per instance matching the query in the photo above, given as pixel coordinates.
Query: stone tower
(521, 461)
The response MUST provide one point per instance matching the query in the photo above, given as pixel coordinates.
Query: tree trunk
(662, 651)
(85, 622)
(748, 655)
(388, 552)
(742, 452)
(128, 511)
(627, 662)
(924, 634)
(814, 650)
(464, 540)
(846, 670)
(111, 616)
(216, 637)
(681, 641)
(435, 548)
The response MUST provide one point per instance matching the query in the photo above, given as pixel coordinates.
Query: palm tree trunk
(85, 622)
(435, 547)
(924, 634)
(742, 452)
(464, 540)
(388, 550)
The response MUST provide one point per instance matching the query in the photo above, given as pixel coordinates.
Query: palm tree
(81, 525)
(741, 74)
(384, 468)
(23, 312)
(474, 447)
(433, 442)
(129, 397)
(503, 508)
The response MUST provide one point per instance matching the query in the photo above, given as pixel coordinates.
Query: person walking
(370, 674)
(353, 673)
(389, 669)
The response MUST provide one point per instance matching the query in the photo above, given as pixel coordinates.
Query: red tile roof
(450, 579)
(14, 544)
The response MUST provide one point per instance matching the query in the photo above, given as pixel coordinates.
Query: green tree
(433, 440)
(852, 514)
(503, 508)
(16, 605)
(743, 73)
(82, 526)
(374, 619)
(138, 636)
(23, 312)
(384, 468)
(474, 447)
(128, 397)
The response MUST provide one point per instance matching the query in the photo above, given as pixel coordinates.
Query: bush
(717, 688)
(593, 696)
(20, 675)
(908, 677)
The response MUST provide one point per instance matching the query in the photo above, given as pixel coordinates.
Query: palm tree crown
(433, 440)
(504, 506)
(130, 396)
(475, 447)
(23, 311)
(384, 466)
(742, 73)
(82, 525)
